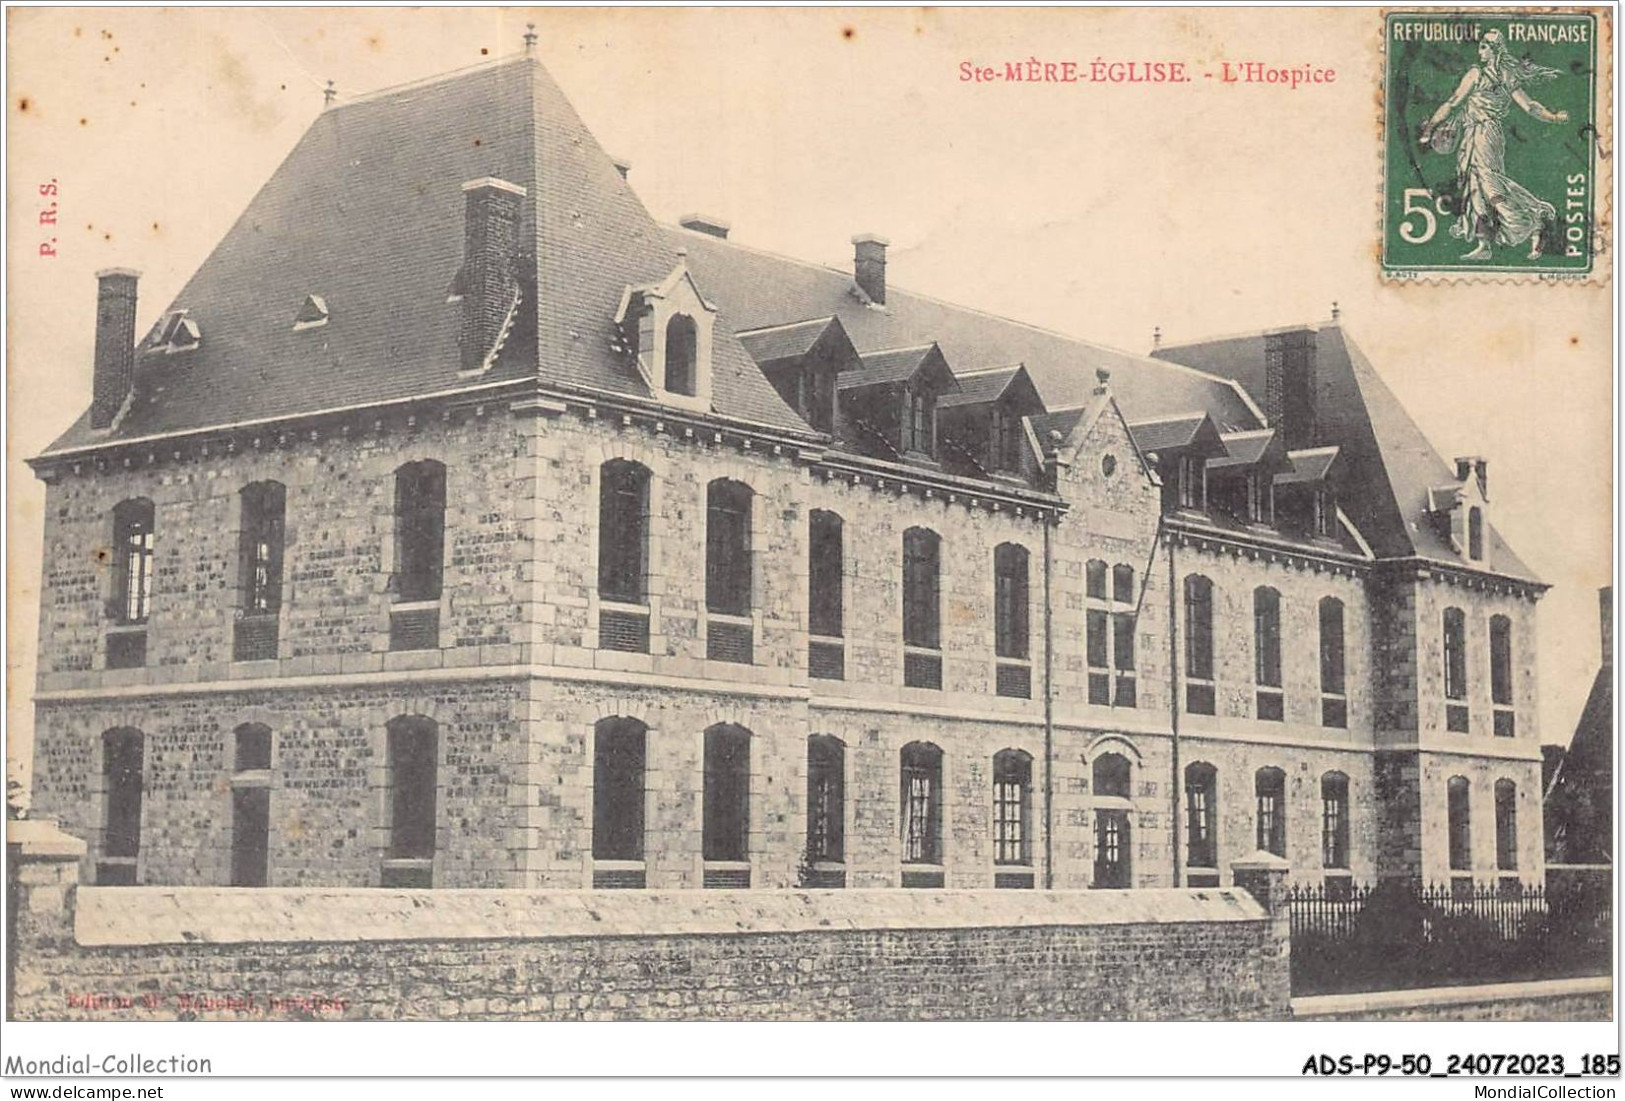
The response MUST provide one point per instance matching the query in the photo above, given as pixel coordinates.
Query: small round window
(1108, 465)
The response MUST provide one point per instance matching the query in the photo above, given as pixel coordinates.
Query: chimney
(1290, 385)
(704, 223)
(869, 265)
(114, 371)
(1471, 466)
(489, 276)
(1605, 600)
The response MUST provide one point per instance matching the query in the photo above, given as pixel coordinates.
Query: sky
(1102, 211)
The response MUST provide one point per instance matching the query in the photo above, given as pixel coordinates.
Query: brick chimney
(869, 265)
(489, 276)
(113, 373)
(1290, 385)
(704, 223)
(1605, 602)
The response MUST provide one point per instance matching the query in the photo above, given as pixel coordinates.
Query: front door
(1112, 848)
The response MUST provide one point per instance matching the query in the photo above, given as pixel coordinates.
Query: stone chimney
(1471, 466)
(489, 276)
(704, 223)
(1605, 602)
(869, 265)
(113, 373)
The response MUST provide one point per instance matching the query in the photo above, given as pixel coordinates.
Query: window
(1010, 601)
(1004, 440)
(1475, 534)
(728, 571)
(412, 752)
(618, 763)
(1192, 482)
(1455, 670)
(1109, 625)
(1506, 825)
(1269, 784)
(623, 531)
(1334, 708)
(825, 659)
(1112, 864)
(815, 396)
(919, 412)
(251, 806)
(1111, 776)
(420, 529)
(1501, 676)
(133, 561)
(922, 803)
(727, 795)
(680, 355)
(1094, 573)
(123, 752)
(259, 571)
(1271, 705)
(1460, 824)
(921, 608)
(1199, 694)
(1201, 815)
(1012, 807)
(1334, 820)
(826, 799)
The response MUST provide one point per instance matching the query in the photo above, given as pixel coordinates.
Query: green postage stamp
(1490, 142)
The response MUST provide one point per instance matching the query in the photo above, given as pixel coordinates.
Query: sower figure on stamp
(1495, 209)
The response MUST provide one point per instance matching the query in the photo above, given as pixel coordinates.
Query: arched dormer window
(680, 352)
(665, 329)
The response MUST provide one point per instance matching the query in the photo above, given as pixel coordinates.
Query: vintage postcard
(1492, 140)
(800, 515)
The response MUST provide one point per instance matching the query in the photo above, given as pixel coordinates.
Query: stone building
(460, 525)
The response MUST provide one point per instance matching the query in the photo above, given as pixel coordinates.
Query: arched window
(131, 600)
(623, 532)
(1012, 807)
(1112, 784)
(726, 826)
(921, 770)
(1199, 691)
(1122, 584)
(1010, 601)
(1269, 784)
(412, 747)
(1455, 670)
(681, 353)
(1112, 776)
(420, 529)
(728, 571)
(619, 746)
(251, 806)
(1460, 824)
(922, 571)
(1334, 820)
(1202, 817)
(1501, 676)
(1271, 703)
(1475, 533)
(826, 800)
(260, 542)
(1094, 577)
(123, 759)
(1506, 825)
(1334, 707)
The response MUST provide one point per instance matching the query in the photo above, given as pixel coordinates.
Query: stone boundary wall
(165, 953)
(1585, 999)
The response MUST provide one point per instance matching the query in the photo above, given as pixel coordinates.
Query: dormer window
(176, 333)
(1192, 482)
(1475, 534)
(666, 327)
(680, 349)
(311, 314)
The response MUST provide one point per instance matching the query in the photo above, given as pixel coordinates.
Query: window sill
(605, 604)
(414, 605)
(134, 628)
(617, 865)
(251, 778)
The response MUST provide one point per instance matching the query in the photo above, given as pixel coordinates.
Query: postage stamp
(1491, 142)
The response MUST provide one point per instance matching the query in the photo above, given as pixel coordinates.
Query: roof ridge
(430, 81)
(989, 370)
(826, 319)
(894, 289)
(1243, 334)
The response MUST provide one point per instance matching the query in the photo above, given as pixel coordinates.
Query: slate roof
(1248, 449)
(757, 289)
(1165, 433)
(1309, 464)
(785, 341)
(895, 365)
(980, 387)
(367, 212)
(1386, 467)
(1056, 420)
